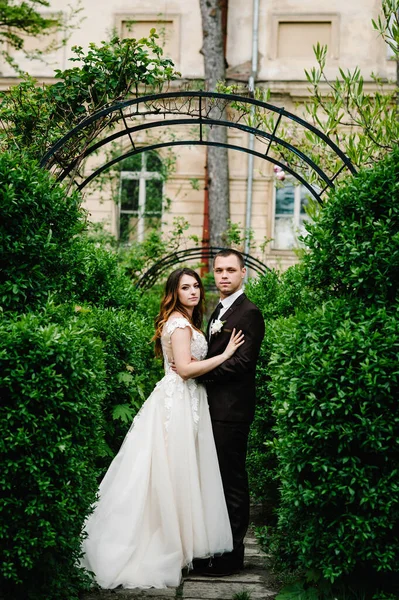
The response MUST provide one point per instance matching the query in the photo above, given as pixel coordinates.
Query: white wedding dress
(161, 502)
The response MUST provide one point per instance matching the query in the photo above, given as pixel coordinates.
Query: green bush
(51, 388)
(334, 388)
(96, 277)
(277, 295)
(354, 242)
(130, 364)
(45, 252)
(55, 372)
(38, 223)
(335, 382)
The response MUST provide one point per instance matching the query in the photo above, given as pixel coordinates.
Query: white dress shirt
(227, 302)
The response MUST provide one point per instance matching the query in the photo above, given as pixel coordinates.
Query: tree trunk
(213, 50)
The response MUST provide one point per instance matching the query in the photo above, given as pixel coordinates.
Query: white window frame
(142, 177)
(390, 54)
(296, 215)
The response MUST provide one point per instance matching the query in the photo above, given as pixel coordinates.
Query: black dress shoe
(200, 565)
(222, 568)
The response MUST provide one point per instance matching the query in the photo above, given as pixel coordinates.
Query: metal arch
(194, 116)
(128, 131)
(148, 279)
(204, 143)
(230, 97)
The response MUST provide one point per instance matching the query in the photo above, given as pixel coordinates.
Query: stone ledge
(221, 590)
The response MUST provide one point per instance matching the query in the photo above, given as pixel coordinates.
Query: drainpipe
(251, 138)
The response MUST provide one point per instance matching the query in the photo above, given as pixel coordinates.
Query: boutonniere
(217, 326)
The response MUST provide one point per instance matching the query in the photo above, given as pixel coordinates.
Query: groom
(231, 397)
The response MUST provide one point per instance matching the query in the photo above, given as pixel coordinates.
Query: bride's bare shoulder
(176, 315)
(177, 321)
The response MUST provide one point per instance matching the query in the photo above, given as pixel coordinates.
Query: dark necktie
(217, 311)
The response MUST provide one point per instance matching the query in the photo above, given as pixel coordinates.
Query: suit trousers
(231, 440)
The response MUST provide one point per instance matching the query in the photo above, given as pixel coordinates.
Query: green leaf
(124, 377)
(296, 591)
(123, 412)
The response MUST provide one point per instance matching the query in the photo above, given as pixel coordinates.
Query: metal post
(251, 139)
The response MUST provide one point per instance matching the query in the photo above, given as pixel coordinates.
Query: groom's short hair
(228, 252)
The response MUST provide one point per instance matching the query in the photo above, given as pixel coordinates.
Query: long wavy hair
(170, 303)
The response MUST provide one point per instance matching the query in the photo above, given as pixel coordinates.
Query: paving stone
(257, 560)
(250, 547)
(251, 551)
(153, 593)
(253, 579)
(245, 576)
(220, 590)
(251, 540)
(133, 594)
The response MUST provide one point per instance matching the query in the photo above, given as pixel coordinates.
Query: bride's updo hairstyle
(171, 303)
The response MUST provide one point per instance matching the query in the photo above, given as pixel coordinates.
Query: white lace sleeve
(179, 322)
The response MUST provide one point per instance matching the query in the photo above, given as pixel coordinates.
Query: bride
(161, 502)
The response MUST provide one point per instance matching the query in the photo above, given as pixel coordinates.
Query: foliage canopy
(18, 19)
(33, 117)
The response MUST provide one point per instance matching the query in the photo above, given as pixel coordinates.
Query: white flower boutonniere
(217, 326)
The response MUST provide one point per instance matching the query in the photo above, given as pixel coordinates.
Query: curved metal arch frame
(156, 124)
(197, 143)
(148, 279)
(202, 122)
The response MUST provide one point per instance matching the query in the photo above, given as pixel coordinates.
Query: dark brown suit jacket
(231, 386)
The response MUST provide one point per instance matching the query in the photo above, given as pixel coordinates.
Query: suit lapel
(207, 329)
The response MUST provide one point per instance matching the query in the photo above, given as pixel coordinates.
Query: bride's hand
(236, 340)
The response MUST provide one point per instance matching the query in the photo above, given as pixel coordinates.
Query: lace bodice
(199, 346)
(172, 384)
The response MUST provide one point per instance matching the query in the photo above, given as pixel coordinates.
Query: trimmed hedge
(51, 388)
(72, 377)
(96, 277)
(335, 381)
(44, 250)
(38, 223)
(277, 295)
(354, 242)
(131, 368)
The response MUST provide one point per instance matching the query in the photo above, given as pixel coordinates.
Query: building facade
(288, 30)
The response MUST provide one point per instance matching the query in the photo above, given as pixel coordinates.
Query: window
(139, 26)
(297, 39)
(294, 35)
(391, 52)
(140, 196)
(289, 215)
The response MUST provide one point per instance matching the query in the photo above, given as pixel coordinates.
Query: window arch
(140, 196)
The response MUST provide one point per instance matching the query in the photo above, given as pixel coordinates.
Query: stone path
(255, 579)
